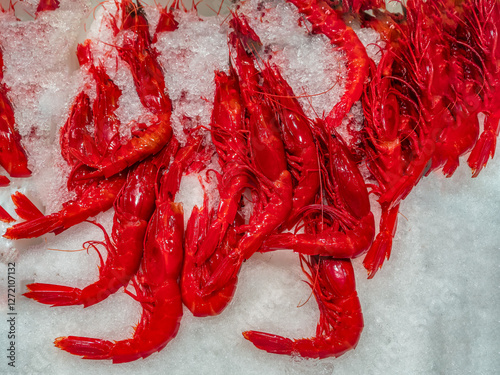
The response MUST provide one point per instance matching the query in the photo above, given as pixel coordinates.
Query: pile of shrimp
(274, 176)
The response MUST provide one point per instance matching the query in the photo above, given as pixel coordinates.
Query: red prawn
(209, 236)
(195, 276)
(326, 21)
(275, 194)
(78, 144)
(227, 130)
(156, 285)
(341, 321)
(134, 206)
(148, 138)
(341, 177)
(298, 140)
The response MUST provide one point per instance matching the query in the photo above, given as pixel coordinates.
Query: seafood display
(278, 163)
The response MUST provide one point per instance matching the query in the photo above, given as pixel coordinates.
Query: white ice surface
(434, 308)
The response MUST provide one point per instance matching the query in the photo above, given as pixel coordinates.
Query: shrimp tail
(55, 295)
(5, 216)
(307, 348)
(269, 342)
(24, 207)
(96, 198)
(381, 247)
(194, 276)
(86, 347)
(485, 146)
(34, 228)
(59, 295)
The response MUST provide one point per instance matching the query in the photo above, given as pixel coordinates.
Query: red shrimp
(325, 21)
(147, 138)
(78, 143)
(346, 186)
(210, 236)
(156, 285)
(134, 206)
(97, 196)
(106, 124)
(385, 124)
(227, 129)
(263, 127)
(349, 205)
(298, 140)
(415, 72)
(405, 115)
(274, 200)
(341, 320)
(150, 86)
(137, 52)
(12, 155)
